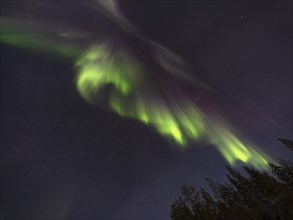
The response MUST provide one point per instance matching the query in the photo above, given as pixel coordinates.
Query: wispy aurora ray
(132, 76)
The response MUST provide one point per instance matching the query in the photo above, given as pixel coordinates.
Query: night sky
(62, 158)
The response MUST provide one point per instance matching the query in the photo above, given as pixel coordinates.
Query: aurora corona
(150, 88)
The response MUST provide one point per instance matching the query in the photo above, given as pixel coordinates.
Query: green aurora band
(181, 124)
(129, 89)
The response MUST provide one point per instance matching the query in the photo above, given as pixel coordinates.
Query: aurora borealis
(131, 78)
(177, 119)
(134, 94)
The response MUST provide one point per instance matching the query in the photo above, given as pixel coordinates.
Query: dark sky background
(62, 158)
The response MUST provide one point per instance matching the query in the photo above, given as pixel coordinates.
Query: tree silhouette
(257, 195)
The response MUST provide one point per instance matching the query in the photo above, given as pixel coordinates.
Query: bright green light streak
(181, 125)
(234, 150)
(34, 42)
(101, 66)
(98, 68)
